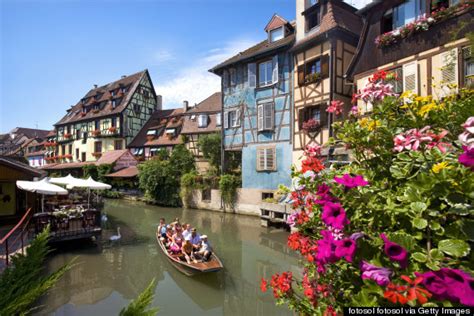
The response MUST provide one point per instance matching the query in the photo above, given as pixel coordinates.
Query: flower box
(113, 129)
(95, 111)
(311, 126)
(67, 135)
(97, 154)
(96, 132)
(83, 114)
(312, 78)
(68, 156)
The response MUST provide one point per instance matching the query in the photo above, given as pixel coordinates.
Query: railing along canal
(16, 239)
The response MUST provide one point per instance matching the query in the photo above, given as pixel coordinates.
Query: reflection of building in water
(95, 277)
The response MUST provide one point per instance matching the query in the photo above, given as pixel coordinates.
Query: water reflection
(106, 279)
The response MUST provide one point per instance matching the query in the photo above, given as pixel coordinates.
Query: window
(313, 71)
(444, 4)
(468, 67)
(277, 34)
(78, 134)
(407, 12)
(218, 119)
(112, 93)
(311, 3)
(63, 149)
(83, 156)
(170, 131)
(265, 117)
(312, 18)
(316, 112)
(151, 132)
(97, 125)
(395, 78)
(77, 153)
(113, 122)
(234, 118)
(118, 144)
(98, 147)
(202, 120)
(266, 159)
(70, 149)
(136, 108)
(84, 137)
(265, 71)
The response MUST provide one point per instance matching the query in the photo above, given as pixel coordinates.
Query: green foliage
(97, 172)
(210, 146)
(22, 283)
(160, 179)
(228, 185)
(111, 194)
(90, 171)
(421, 199)
(188, 184)
(140, 306)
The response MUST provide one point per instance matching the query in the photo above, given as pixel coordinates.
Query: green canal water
(107, 278)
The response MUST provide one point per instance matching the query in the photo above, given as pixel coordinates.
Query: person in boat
(188, 251)
(205, 251)
(169, 235)
(176, 241)
(186, 230)
(175, 222)
(162, 228)
(195, 239)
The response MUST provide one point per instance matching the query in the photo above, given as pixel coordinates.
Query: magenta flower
(351, 182)
(323, 189)
(380, 275)
(451, 284)
(334, 215)
(313, 150)
(376, 92)
(326, 250)
(395, 252)
(335, 107)
(354, 111)
(356, 236)
(467, 137)
(346, 249)
(467, 158)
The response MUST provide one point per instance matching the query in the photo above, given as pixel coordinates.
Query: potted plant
(312, 127)
(312, 78)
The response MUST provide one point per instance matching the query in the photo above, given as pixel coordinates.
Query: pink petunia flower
(395, 252)
(351, 182)
(380, 275)
(334, 215)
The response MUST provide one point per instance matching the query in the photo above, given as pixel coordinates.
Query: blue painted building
(258, 107)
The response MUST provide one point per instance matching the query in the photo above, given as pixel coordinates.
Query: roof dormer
(277, 29)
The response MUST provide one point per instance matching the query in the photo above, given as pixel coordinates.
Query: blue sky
(53, 51)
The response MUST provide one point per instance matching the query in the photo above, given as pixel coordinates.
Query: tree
(210, 146)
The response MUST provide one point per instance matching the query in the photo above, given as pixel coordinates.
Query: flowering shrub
(394, 227)
(422, 23)
(335, 107)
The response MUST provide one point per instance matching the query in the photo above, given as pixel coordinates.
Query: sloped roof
(108, 157)
(212, 103)
(30, 132)
(275, 22)
(128, 172)
(258, 50)
(102, 96)
(15, 164)
(111, 156)
(339, 15)
(155, 122)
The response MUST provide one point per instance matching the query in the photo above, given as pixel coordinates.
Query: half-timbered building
(327, 33)
(422, 43)
(203, 119)
(257, 108)
(106, 118)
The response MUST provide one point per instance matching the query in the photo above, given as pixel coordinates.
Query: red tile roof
(102, 96)
(128, 172)
(212, 103)
(275, 22)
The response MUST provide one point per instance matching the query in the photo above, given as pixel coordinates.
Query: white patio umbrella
(63, 180)
(89, 184)
(43, 187)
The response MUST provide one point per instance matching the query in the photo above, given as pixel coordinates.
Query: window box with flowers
(311, 126)
(97, 154)
(83, 114)
(312, 78)
(112, 130)
(96, 132)
(95, 111)
(68, 156)
(67, 135)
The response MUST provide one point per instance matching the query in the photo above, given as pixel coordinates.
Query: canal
(107, 278)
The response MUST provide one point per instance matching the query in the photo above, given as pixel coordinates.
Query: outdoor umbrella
(43, 187)
(63, 180)
(89, 184)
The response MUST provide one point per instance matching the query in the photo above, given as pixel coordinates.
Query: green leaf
(420, 223)
(418, 207)
(403, 239)
(436, 254)
(418, 256)
(435, 225)
(454, 247)
(433, 266)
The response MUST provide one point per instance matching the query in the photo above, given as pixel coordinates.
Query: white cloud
(162, 56)
(195, 83)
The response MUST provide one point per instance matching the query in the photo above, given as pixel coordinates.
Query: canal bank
(108, 278)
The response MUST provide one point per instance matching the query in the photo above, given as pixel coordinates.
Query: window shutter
(226, 119)
(410, 77)
(301, 117)
(252, 75)
(301, 75)
(268, 116)
(275, 74)
(325, 66)
(237, 117)
(270, 159)
(323, 116)
(450, 66)
(260, 117)
(218, 119)
(260, 159)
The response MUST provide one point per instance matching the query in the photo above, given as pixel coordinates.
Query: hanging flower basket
(311, 127)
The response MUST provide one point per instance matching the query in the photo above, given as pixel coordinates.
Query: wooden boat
(214, 264)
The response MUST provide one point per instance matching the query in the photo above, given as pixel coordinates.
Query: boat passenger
(205, 251)
(162, 228)
(187, 250)
(176, 242)
(195, 239)
(176, 221)
(169, 235)
(186, 230)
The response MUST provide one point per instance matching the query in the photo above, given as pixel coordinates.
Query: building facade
(327, 34)
(203, 119)
(106, 118)
(433, 59)
(257, 108)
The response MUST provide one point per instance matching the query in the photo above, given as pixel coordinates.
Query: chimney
(159, 102)
(95, 86)
(123, 76)
(185, 106)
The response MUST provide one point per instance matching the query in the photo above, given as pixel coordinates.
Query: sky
(53, 51)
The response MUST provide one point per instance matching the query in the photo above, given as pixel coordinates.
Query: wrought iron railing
(16, 239)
